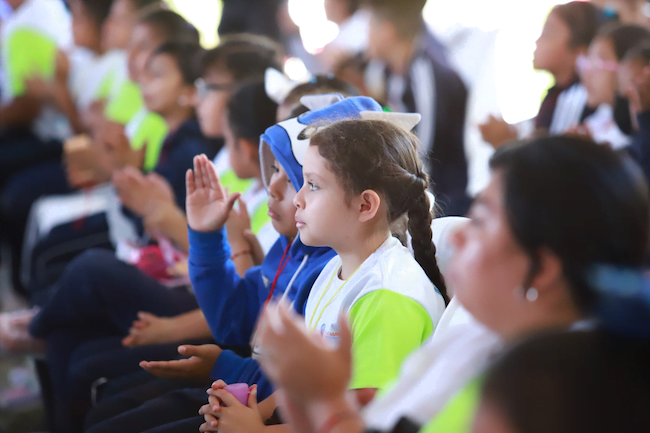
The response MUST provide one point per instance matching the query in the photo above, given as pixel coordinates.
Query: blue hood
(284, 142)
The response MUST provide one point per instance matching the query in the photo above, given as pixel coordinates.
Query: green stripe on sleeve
(30, 53)
(386, 328)
(458, 415)
(126, 103)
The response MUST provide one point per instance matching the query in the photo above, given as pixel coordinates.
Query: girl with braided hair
(361, 176)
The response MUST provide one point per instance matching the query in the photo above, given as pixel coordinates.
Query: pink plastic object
(240, 391)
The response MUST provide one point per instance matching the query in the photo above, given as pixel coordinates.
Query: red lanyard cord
(283, 264)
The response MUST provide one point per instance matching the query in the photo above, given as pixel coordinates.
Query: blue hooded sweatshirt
(232, 304)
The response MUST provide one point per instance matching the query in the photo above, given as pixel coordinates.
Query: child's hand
(149, 330)
(299, 360)
(208, 205)
(224, 413)
(240, 235)
(111, 136)
(142, 194)
(497, 132)
(198, 366)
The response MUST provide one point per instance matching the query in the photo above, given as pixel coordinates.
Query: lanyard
(283, 264)
(331, 299)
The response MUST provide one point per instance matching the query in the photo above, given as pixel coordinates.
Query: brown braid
(376, 155)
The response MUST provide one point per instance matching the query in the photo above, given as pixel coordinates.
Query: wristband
(336, 419)
(241, 253)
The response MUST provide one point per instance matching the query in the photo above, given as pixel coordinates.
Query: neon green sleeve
(125, 104)
(458, 415)
(386, 328)
(151, 134)
(29, 53)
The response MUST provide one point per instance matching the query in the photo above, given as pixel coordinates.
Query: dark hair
(251, 111)
(318, 85)
(406, 15)
(377, 155)
(244, 56)
(581, 201)
(573, 382)
(171, 26)
(140, 5)
(583, 20)
(624, 37)
(98, 10)
(186, 56)
(640, 53)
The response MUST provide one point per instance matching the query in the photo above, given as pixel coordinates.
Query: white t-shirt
(458, 351)
(391, 267)
(50, 19)
(603, 128)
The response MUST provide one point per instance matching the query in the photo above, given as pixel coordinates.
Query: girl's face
(84, 28)
(599, 73)
(489, 266)
(281, 208)
(324, 218)
(552, 52)
(210, 102)
(117, 29)
(163, 88)
(142, 43)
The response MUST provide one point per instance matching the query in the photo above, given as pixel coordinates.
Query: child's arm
(150, 329)
(231, 304)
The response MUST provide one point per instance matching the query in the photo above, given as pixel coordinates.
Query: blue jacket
(231, 304)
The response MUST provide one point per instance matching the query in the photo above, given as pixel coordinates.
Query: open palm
(208, 205)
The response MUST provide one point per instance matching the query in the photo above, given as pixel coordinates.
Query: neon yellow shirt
(458, 414)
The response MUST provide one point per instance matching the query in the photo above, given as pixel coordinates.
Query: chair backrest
(442, 229)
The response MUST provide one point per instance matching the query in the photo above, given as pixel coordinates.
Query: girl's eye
(312, 186)
(275, 168)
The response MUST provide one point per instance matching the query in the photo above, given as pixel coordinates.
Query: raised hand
(208, 205)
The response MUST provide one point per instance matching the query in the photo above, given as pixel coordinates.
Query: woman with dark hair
(554, 208)
(596, 380)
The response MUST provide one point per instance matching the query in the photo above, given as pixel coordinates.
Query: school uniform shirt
(98, 78)
(604, 130)
(432, 88)
(147, 130)
(392, 308)
(31, 38)
(456, 354)
(563, 108)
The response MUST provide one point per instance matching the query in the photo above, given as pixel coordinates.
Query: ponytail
(419, 226)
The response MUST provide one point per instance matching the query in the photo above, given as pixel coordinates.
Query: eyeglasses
(203, 88)
(584, 63)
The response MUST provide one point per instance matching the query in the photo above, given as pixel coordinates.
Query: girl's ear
(368, 204)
